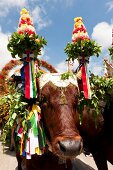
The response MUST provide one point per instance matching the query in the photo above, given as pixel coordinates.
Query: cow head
(59, 111)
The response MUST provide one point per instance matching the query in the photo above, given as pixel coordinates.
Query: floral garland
(4, 74)
(49, 67)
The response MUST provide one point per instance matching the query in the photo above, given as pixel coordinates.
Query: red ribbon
(84, 81)
(27, 80)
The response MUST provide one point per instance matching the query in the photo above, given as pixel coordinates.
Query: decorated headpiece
(27, 45)
(81, 48)
(80, 34)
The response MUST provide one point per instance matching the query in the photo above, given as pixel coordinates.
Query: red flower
(22, 21)
(20, 32)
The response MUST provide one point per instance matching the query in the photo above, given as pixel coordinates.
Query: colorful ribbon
(28, 76)
(85, 82)
(31, 141)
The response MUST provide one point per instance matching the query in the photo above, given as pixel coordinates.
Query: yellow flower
(24, 18)
(24, 11)
(37, 40)
(78, 19)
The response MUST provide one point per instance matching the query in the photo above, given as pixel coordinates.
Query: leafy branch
(111, 52)
(84, 48)
(102, 93)
(16, 109)
(18, 43)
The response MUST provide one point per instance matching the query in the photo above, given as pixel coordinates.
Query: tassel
(32, 142)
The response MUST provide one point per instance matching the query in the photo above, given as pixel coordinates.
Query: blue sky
(54, 19)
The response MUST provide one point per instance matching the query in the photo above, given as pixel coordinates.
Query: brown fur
(60, 120)
(59, 115)
(61, 123)
(98, 137)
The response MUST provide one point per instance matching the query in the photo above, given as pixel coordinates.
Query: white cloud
(102, 34)
(43, 56)
(40, 17)
(63, 67)
(109, 5)
(6, 5)
(66, 3)
(96, 65)
(95, 68)
(5, 55)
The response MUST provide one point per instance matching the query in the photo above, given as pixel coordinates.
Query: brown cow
(99, 140)
(98, 137)
(59, 100)
(63, 129)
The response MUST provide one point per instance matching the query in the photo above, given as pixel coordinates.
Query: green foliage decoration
(19, 43)
(39, 73)
(102, 93)
(82, 48)
(66, 75)
(16, 109)
(110, 49)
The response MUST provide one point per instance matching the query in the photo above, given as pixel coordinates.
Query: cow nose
(70, 147)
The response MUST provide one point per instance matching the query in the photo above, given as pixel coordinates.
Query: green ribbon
(34, 125)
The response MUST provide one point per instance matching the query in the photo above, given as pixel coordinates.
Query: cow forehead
(55, 78)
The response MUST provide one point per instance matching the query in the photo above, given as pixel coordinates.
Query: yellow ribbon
(35, 109)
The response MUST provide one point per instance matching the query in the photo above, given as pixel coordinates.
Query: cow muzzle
(68, 147)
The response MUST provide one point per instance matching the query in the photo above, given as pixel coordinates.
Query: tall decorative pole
(80, 34)
(27, 72)
(27, 45)
(82, 48)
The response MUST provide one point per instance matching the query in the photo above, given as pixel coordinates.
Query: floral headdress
(81, 48)
(81, 45)
(25, 40)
